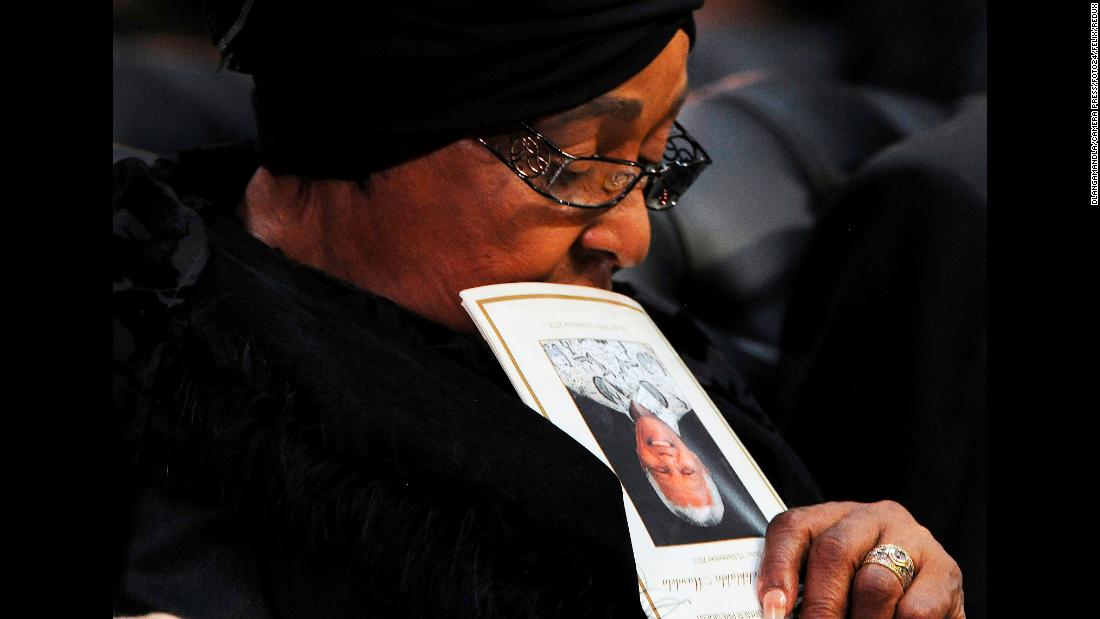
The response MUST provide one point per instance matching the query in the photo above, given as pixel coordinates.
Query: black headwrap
(346, 88)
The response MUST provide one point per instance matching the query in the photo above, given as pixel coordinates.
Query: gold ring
(895, 559)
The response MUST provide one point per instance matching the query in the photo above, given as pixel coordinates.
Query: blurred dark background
(170, 92)
(164, 62)
(935, 49)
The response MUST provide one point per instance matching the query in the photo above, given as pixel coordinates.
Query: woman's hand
(831, 540)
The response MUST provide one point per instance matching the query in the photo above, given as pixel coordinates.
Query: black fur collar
(329, 422)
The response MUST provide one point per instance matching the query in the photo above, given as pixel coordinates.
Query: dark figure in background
(885, 339)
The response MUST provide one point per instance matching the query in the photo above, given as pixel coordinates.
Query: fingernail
(775, 604)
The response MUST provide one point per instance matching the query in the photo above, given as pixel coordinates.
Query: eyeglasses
(599, 182)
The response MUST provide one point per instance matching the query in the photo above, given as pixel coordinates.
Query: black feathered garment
(292, 446)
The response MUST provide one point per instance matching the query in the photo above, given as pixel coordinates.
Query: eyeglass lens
(584, 182)
(664, 191)
(592, 182)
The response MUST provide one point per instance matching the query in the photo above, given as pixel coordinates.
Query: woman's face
(459, 218)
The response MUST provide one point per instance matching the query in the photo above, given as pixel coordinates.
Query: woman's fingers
(786, 544)
(875, 593)
(830, 541)
(836, 556)
(937, 588)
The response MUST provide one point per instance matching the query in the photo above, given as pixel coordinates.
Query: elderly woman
(312, 427)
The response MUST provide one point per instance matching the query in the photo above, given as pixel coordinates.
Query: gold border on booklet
(481, 305)
(649, 599)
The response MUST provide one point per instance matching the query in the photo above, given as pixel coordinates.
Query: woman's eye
(569, 175)
(574, 172)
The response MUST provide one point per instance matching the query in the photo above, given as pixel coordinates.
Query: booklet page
(594, 364)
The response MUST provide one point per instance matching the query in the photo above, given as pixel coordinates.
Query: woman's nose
(622, 231)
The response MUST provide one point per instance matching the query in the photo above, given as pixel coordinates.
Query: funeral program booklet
(595, 365)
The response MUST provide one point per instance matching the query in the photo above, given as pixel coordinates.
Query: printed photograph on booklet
(684, 489)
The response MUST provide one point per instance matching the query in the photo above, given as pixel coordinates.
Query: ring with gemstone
(895, 559)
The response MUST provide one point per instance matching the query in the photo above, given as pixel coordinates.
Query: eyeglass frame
(649, 170)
